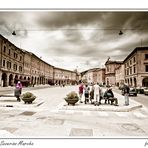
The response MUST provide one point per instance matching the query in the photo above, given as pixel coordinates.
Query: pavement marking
(139, 115)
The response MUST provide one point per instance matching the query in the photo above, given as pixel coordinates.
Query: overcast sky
(73, 40)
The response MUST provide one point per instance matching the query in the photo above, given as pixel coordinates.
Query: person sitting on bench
(109, 96)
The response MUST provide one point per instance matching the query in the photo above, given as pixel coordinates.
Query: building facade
(95, 75)
(110, 70)
(63, 76)
(19, 64)
(99, 75)
(11, 63)
(136, 67)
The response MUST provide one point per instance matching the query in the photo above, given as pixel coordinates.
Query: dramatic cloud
(76, 39)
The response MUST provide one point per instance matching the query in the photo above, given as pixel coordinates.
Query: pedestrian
(18, 90)
(81, 88)
(96, 93)
(86, 94)
(126, 90)
(91, 93)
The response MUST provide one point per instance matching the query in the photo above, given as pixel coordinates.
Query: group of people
(94, 94)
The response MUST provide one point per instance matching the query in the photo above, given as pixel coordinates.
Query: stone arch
(145, 82)
(4, 80)
(15, 79)
(135, 82)
(10, 80)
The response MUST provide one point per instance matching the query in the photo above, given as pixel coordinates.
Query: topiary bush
(28, 97)
(72, 98)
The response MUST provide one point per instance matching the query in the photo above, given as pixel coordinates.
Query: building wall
(62, 76)
(12, 66)
(110, 69)
(135, 68)
(100, 76)
(119, 74)
(23, 65)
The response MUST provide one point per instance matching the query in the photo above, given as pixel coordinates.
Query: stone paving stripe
(53, 121)
(27, 113)
(139, 115)
(81, 132)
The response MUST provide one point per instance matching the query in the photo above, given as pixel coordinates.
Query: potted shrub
(72, 98)
(28, 97)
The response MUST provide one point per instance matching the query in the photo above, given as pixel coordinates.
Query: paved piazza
(47, 117)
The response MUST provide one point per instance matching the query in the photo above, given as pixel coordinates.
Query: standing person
(86, 93)
(18, 90)
(81, 88)
(91, 93)
(126, 90)
(96, 93)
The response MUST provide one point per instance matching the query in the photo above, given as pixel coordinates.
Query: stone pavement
(11, 102)
(103, 107)
(43, 119)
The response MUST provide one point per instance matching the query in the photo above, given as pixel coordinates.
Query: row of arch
(131, 82)
(11, 79)
(65, 82)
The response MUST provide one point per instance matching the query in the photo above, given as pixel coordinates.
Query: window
(130, 70)
(4, 49)
(20, 58)
(134, 69)
(146, 68)
(9, 65)
(127, 71)
(15, 55)
(146, 56)
(20, 68)
(130, 62)
(9, 52)
(15, 67)
(3, 63)
(134, 59)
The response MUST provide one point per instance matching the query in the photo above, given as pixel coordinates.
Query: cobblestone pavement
(46, 117)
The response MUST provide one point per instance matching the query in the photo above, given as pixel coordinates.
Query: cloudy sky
(73, 40)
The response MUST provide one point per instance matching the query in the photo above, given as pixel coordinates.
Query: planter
(28, 97)
(72, 98)
(71, 101)
(28, 100)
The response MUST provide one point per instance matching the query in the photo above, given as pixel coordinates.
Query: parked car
(146, 91)
(132, 92)
(140, 90)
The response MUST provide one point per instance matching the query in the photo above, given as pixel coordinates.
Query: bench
(109, 100)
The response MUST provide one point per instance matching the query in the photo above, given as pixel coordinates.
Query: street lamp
(13, 33)
(120, 33)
